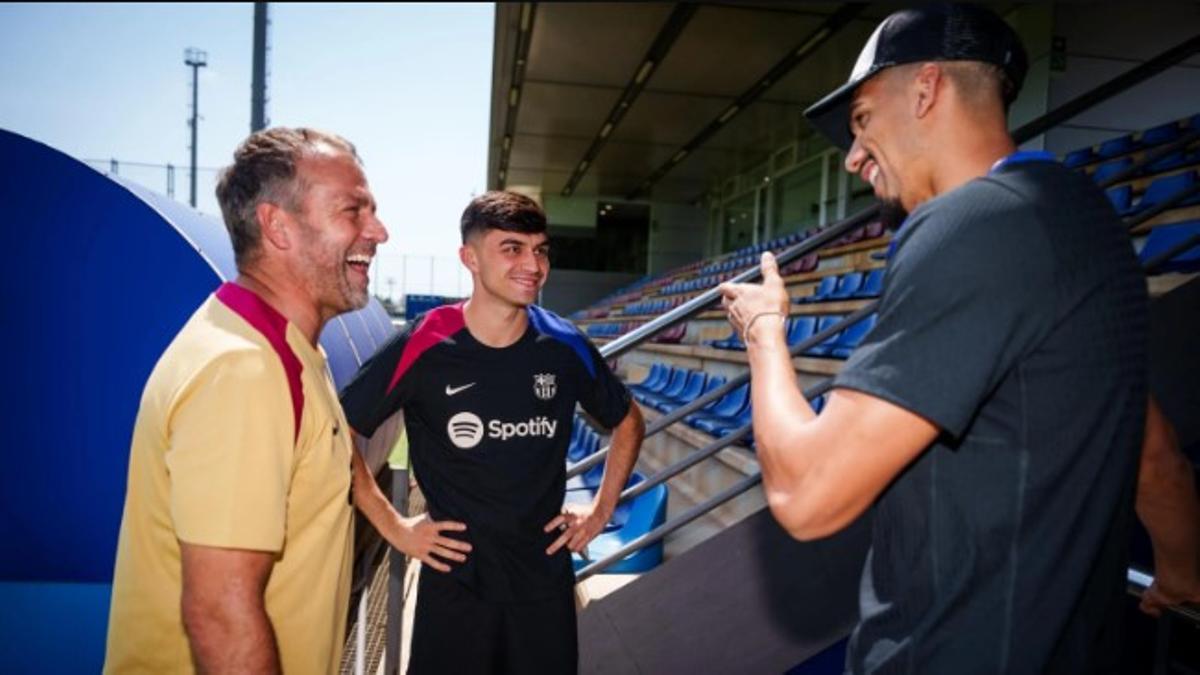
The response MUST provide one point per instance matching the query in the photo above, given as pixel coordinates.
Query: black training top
(488, 431)
(1014, 318)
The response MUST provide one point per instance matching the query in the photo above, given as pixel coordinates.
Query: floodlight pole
(197, 59)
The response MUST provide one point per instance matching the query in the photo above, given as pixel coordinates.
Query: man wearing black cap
(993, 415)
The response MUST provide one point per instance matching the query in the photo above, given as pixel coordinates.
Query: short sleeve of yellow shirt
(230, 454)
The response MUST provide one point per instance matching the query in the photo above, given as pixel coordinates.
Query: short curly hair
(264, 171)
(502, 210)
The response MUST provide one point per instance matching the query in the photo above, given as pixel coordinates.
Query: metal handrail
(694, 306)
(1138, 581)
(691, 407)
(658, 533)
(697, 456)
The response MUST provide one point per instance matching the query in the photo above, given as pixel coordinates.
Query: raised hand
(748, 304)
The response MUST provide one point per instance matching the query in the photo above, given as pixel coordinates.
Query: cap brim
(831, 115)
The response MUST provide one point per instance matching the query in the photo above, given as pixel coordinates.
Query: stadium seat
(847, 286)
(872, 286)
(1163, 133)
(1078, 158)
(1165, 237)
(728, 406)
(827, 345)
(1166, 188)
(687, 397)
(1121, 198)
(818, 404)
(654, 378)
(722, 426)
(822, 291)
(1171, 160)
(631, 519)
(693, 385)
(1116, 147)
(800, 328)
(852, 336)
(1110, 169)
(675, 377)
(673, 335)
(679, 380)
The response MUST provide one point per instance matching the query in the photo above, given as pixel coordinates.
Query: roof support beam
(516, 83)
(670, 31)
(807, 46)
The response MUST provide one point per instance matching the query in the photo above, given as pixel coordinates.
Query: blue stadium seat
(1116, 147)
(827, 345)
(822, 291)
(1167, 187)
(674, 376)
(1165, 237)
(1121, 198)
(712, 383)
(1110, 169)
(852, 337)
(588, 444)
(722, 426)
(678, 381)
(1171, 160)
(818, 404)
(847, 286)
(1163, 133)
(692, 386)
(658, 374)
(631, 519)
(729, 405)
(801, 328)
(872, 286)
(1078, 158)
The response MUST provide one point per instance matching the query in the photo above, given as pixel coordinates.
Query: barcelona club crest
(543, 386)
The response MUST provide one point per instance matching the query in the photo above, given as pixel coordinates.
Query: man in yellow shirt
(236, 539)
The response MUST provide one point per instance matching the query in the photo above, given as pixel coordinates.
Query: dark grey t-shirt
(1013, 317)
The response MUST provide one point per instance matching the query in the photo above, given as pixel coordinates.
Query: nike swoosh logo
(450, 391)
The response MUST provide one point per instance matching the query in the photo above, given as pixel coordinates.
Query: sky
(408, 84)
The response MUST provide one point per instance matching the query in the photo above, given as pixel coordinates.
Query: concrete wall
(678, 235)
(1106, 39)
(570, 290)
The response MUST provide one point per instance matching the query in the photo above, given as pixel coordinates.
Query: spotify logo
(465, 430)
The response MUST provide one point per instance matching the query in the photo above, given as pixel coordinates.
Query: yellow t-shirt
(218, 460)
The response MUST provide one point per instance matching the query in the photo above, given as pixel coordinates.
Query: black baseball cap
(935, 32)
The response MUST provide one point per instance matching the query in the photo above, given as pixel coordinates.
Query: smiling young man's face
(882, 137)
(508, 266)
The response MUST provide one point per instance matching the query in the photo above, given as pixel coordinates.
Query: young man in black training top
(489, 388)
(995, 412)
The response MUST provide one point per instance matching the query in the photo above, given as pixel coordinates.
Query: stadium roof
(710, 88)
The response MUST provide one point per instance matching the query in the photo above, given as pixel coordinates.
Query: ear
(272, 223)
(927, 85)
(469, 257)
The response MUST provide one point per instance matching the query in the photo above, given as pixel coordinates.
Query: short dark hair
(502, 210)
(264, 170)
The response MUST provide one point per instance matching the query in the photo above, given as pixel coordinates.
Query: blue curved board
(99, 276)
